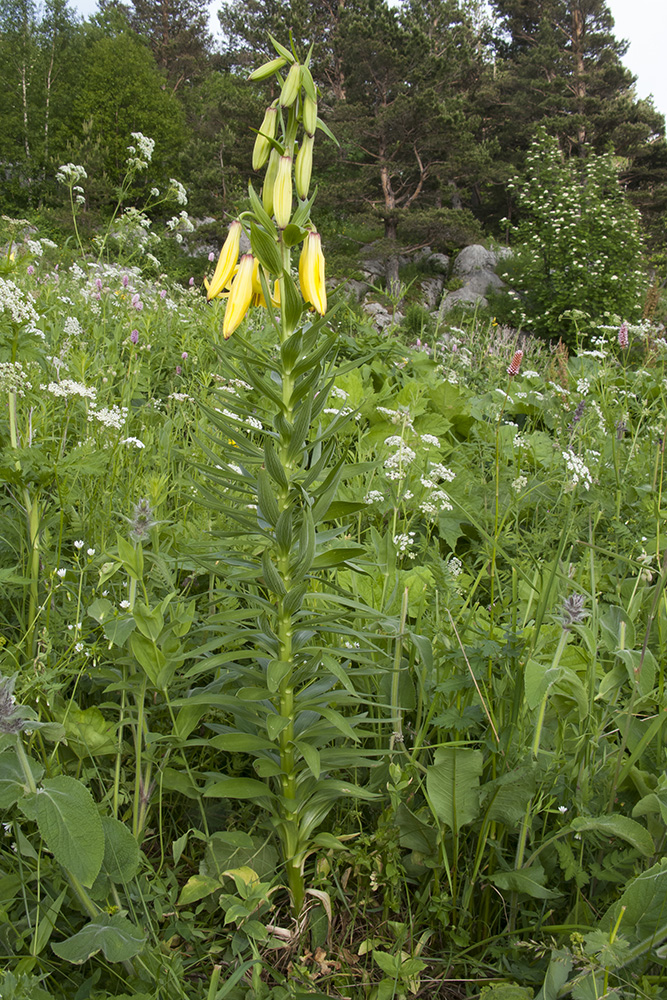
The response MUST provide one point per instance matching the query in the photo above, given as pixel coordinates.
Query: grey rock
(473, 258)
(481, 281)
(357, 289)
(431, 289)
(465, 296)
(440, 262)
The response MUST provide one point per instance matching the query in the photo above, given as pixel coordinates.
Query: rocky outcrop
(474, 266)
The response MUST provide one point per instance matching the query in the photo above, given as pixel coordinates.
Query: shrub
(578, 244)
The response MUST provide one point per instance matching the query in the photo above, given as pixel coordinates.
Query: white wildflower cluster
(454, 566)
(133, 441)
(13, 378)
(602, 423)
(374, 496)
(450, 376)
(179, 397)
(399, 416)
(437, 501)
(155, 192)
(519, 484)
(583, 386)
(430, 439)
(338, 393)
(14, 302)
(71, 173)
(34, 247)
(76, 272)
(144, 148)
(250, 421)
(111, 416)
(519, 442)
(68, 387)
(403, 543)
(577, 469)
(177, 192)
(72, 327)
(179, 224)
(395, 465)
(437, 472)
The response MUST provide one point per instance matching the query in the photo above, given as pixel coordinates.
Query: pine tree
(177, 32)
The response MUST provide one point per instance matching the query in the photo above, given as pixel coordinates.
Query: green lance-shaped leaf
(452, 782)
(71, 827)
(265, 249)
(293, 304)
(115, 936)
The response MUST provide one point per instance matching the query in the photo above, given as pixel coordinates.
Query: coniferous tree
(176, 31)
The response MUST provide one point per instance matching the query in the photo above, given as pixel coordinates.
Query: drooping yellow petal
(226, 262)
(258, 292)
(311, 273)
(240, 296)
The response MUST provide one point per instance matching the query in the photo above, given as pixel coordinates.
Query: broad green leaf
(529, 880)
(452, 781)
(198, 887)
(560, 966)
(644, 905)
(538, 678)
(12, 780)
(121, 851)
(70, 824)
(235, 849)
(115, 936)
(117, 630)
(617, 826)
(88, 732)
(506, 798)
(150, 658)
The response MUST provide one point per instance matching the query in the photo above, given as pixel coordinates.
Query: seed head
(515, 364)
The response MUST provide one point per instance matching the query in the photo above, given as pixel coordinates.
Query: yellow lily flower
(226, 262)
(240, 296)
(311, 273)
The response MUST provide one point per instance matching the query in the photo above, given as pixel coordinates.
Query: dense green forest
(434, 104)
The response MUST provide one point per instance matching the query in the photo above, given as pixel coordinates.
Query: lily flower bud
(267, 130)
(240, 296)
(226, 261)
(291, 86)
(282, 192)
(304, 166)
(267, 68)
(309, 115)
(269, 181)
(311, 273)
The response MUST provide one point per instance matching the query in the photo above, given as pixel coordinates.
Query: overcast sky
(643, 23)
